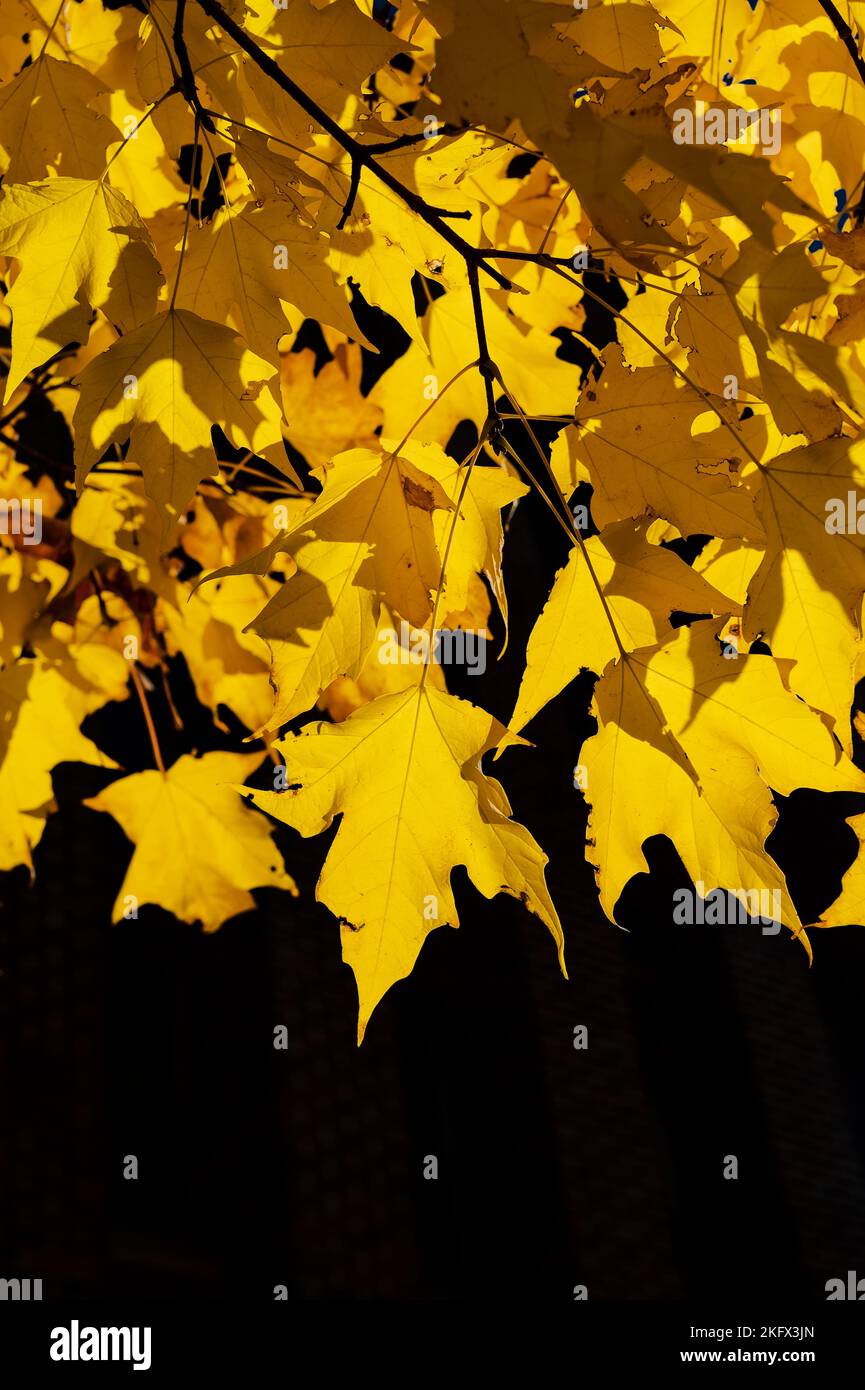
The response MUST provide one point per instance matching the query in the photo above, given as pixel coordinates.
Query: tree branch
(486, 365)
(362, 156)
(845, 34)
(187, 76)
(404, 142)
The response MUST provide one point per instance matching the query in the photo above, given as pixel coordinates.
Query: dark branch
(404, 142)
(486, 365)
(844, 33)
(187, 76)
(354, 185)
(361, 155)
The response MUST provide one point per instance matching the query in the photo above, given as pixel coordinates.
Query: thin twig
(358, 153)
(842, 29)
(148, 717)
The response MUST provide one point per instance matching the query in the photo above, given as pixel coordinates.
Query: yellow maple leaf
(48, 124)
(403, 773)
(376, 677)
(198, 850)
(329, 51)
(81, 246)
(325, 412)
(163, 387)
(689, 745)
(43, 701)
(805, 599)
(248, 262)
(542, 382)
(228, 665)
(653, 444)
(616, 593)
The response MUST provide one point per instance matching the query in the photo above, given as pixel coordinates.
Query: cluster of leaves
(201, 204)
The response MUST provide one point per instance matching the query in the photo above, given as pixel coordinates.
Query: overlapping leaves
(201, 244)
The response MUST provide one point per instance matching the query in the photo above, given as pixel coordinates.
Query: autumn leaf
(815, 559)
(616, 593)
(217, 851)
(312, 310)
(650, 443)
(43, 702)
(736, 734)
(247, 263)
(326, 412)
(49, 123)
(161, 388)
(541, 381)
(404, 774)
(81, 246)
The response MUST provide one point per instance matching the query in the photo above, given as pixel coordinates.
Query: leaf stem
(148, 717)
(433, 403)
(473, 458)
(53, 26)
(186, 219)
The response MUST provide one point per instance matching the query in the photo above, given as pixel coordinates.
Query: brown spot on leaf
(416, 495)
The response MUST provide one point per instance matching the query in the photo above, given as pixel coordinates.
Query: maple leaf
(272, 173)
(377, 534)
(114, 520)
(81, 246)
(47, 124)
(765, 288)
(217, 853)
(404, 774)
(542, 382)
(689, 745)
(325, 412)
(162, 388)
(26, 587)
(251, 260)
(383, 242)
(805, 598)
(376, 677)
(640, 442)
(725, 346)
(328, 51)
(368, 537)
(228, 665)
(616, 593)
(43, 701)
(486, 70)
(486, 232)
